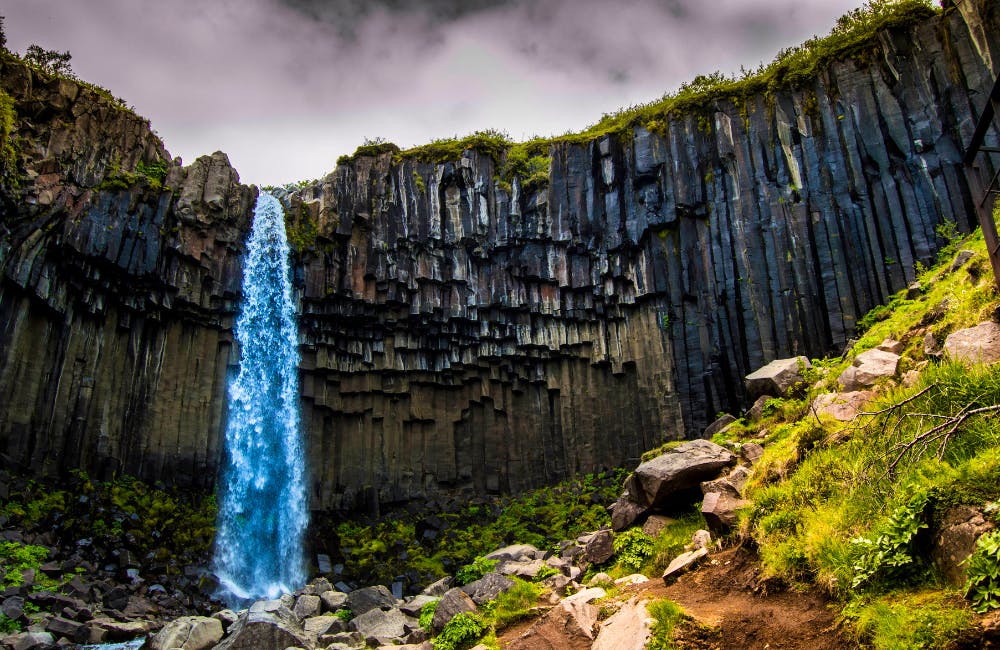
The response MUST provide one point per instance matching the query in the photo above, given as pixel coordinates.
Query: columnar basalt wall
(463, 335)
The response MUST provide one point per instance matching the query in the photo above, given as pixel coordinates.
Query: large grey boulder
(488, 587)
(625, 512)
(979, 344)
(390, 624)
(515, 552)
(30, 640)
(307, 605)
(599, 548)
(454, 602)
(628, 629)
(267, 625)
(188, 633)
(369, 598)
(685, 466)
(776, 378)
(868, 368)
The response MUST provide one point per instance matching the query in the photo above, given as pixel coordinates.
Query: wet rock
(779, 377)
(680, 468)
(307, 605)
(30, 641)
(73, 630)
(365, 599)
(488, 587)
(454, 602)
(188, 633)
(979, 344)
(267, 625)
(333, 600)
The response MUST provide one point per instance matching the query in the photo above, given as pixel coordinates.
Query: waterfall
(262, 498)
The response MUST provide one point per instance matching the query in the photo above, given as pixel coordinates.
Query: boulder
(227, 617)
(332, 600)
(567, 626)
(73, 630)
(438, 588)
(13, 607)
(979, 344)
(776, 378)
(720, 510)
(756, 411)
(413, 606)
(961, 258)
(655, 524)
(318, 586)
(365, 599)
(390, 624)
(685, 466)
(267, 625)
(30, 641)
(682, 563)
(625, 512)
(454, 602)
(842, 406)
(718, 425)
(955, 541)
(526, 569)
(868, 368)
(516, 552)
(188, 633)
(751, 452)
(701, 539)
(891, 345)
(307, 605)
(627, 629)
(488, 587)
(317, 626)
(599, 548)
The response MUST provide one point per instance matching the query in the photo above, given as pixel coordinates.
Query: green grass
(848, 507)
(666, 614)
(379, 551)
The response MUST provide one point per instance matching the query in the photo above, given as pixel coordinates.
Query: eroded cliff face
(461, 335)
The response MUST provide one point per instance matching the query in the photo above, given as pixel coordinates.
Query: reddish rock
(979, 344)
(720, 510)
(842, 406)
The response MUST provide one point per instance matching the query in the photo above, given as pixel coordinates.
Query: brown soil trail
(727, 595)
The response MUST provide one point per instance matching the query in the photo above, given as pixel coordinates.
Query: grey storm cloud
(285, 86)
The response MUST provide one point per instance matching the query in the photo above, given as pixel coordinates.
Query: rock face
(458, 333)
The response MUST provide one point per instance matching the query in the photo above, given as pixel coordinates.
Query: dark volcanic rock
(683, 467)
(267, 625)
(486, 338)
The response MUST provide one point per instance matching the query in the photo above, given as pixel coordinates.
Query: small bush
(427, 615)
(632, 548)
(346, 614)
(890, 555)
(460, 632)
(982, 587)
(476, 570)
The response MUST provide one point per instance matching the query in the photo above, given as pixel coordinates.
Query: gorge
(461, 333)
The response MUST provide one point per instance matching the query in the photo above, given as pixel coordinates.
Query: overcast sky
(286, 86)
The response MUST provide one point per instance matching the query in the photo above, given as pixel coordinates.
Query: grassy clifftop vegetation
(853, 37)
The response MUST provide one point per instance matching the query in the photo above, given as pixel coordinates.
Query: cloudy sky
(286, 86)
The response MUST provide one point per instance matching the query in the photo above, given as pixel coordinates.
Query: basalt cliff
(459, 334)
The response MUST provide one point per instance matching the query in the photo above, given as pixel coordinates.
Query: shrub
(982, 587)
(632, 548)
(890, 555)
(460, 632)
(476, 570)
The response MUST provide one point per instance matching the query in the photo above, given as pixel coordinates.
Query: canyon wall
(460, 334)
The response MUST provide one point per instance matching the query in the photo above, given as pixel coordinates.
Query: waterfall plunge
(262, 505)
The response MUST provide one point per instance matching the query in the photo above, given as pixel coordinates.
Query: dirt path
(736, 612)
(726, 594)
